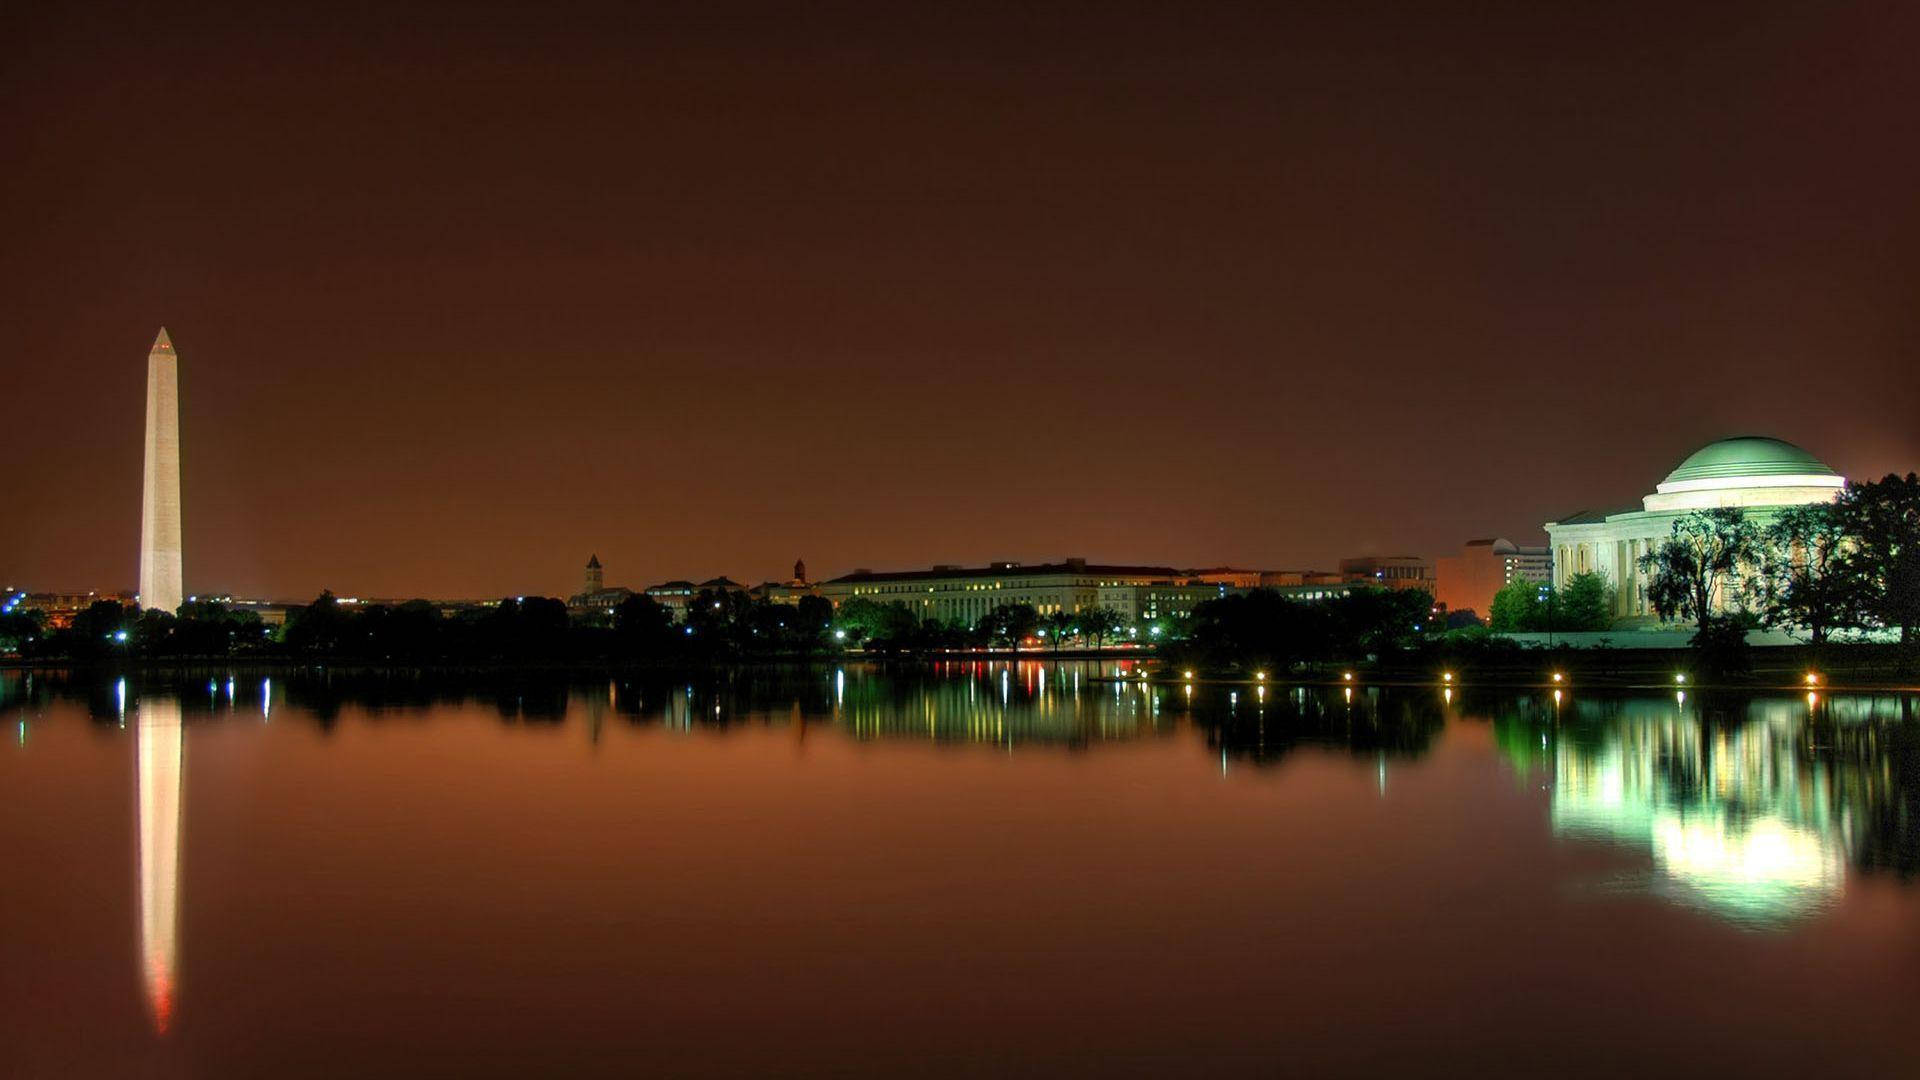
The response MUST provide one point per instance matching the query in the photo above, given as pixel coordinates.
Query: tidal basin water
(964, 869)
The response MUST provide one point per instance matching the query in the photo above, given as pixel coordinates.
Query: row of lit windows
(1084, 583)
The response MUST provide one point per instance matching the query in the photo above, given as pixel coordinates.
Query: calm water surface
(970, 869)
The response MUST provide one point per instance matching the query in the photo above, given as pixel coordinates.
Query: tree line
(716, 625)
(538, 629)
(1262, 630)
(1585, 604)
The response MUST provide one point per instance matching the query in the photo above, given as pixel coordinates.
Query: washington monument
(160, 501)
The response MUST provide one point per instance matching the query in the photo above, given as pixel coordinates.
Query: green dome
(1748, 455)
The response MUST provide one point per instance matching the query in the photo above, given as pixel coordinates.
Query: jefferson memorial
(1759, 474)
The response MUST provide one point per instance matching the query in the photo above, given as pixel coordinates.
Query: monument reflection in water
(1751, 808)
(161, 752)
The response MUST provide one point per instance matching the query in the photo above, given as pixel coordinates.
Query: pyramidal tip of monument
(162, 341)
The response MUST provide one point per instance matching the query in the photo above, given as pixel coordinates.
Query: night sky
(464, 294)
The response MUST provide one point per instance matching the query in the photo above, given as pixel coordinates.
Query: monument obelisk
(160, 585)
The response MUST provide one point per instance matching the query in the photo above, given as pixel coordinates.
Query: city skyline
(161, 507)
(1269, 291)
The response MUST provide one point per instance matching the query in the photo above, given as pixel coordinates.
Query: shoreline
(1635, 671)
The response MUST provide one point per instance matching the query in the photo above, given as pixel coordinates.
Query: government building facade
(964, 594)
(1757, 474)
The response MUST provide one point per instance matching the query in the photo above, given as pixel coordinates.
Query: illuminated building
(676, 595)
(964, 594)
(673, 595)
(1760, 475)
(60, 608)
(160, 573)
(1467, 581)
(1389, 571)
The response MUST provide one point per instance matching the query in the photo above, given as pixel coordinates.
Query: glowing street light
(1812, 679)
(1446, 676)
(1557, 677)
(1187, 675)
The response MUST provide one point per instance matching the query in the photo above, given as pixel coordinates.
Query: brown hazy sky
(464, 293)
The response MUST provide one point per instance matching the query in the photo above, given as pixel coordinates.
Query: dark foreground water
(968, 869)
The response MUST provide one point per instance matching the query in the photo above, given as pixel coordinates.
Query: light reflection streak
(161, 753)
(1735, 820)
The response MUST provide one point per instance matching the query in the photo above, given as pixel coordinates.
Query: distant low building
(1389, 571)
(1281, 579)
(594, 598)
(964, 594)
(674, 595)
(1469, 580)
(1227, 575)
(677, 595)
(269, 612)
(790, 591)
(60, 608)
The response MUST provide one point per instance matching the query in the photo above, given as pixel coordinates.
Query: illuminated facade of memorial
(1758, 474)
